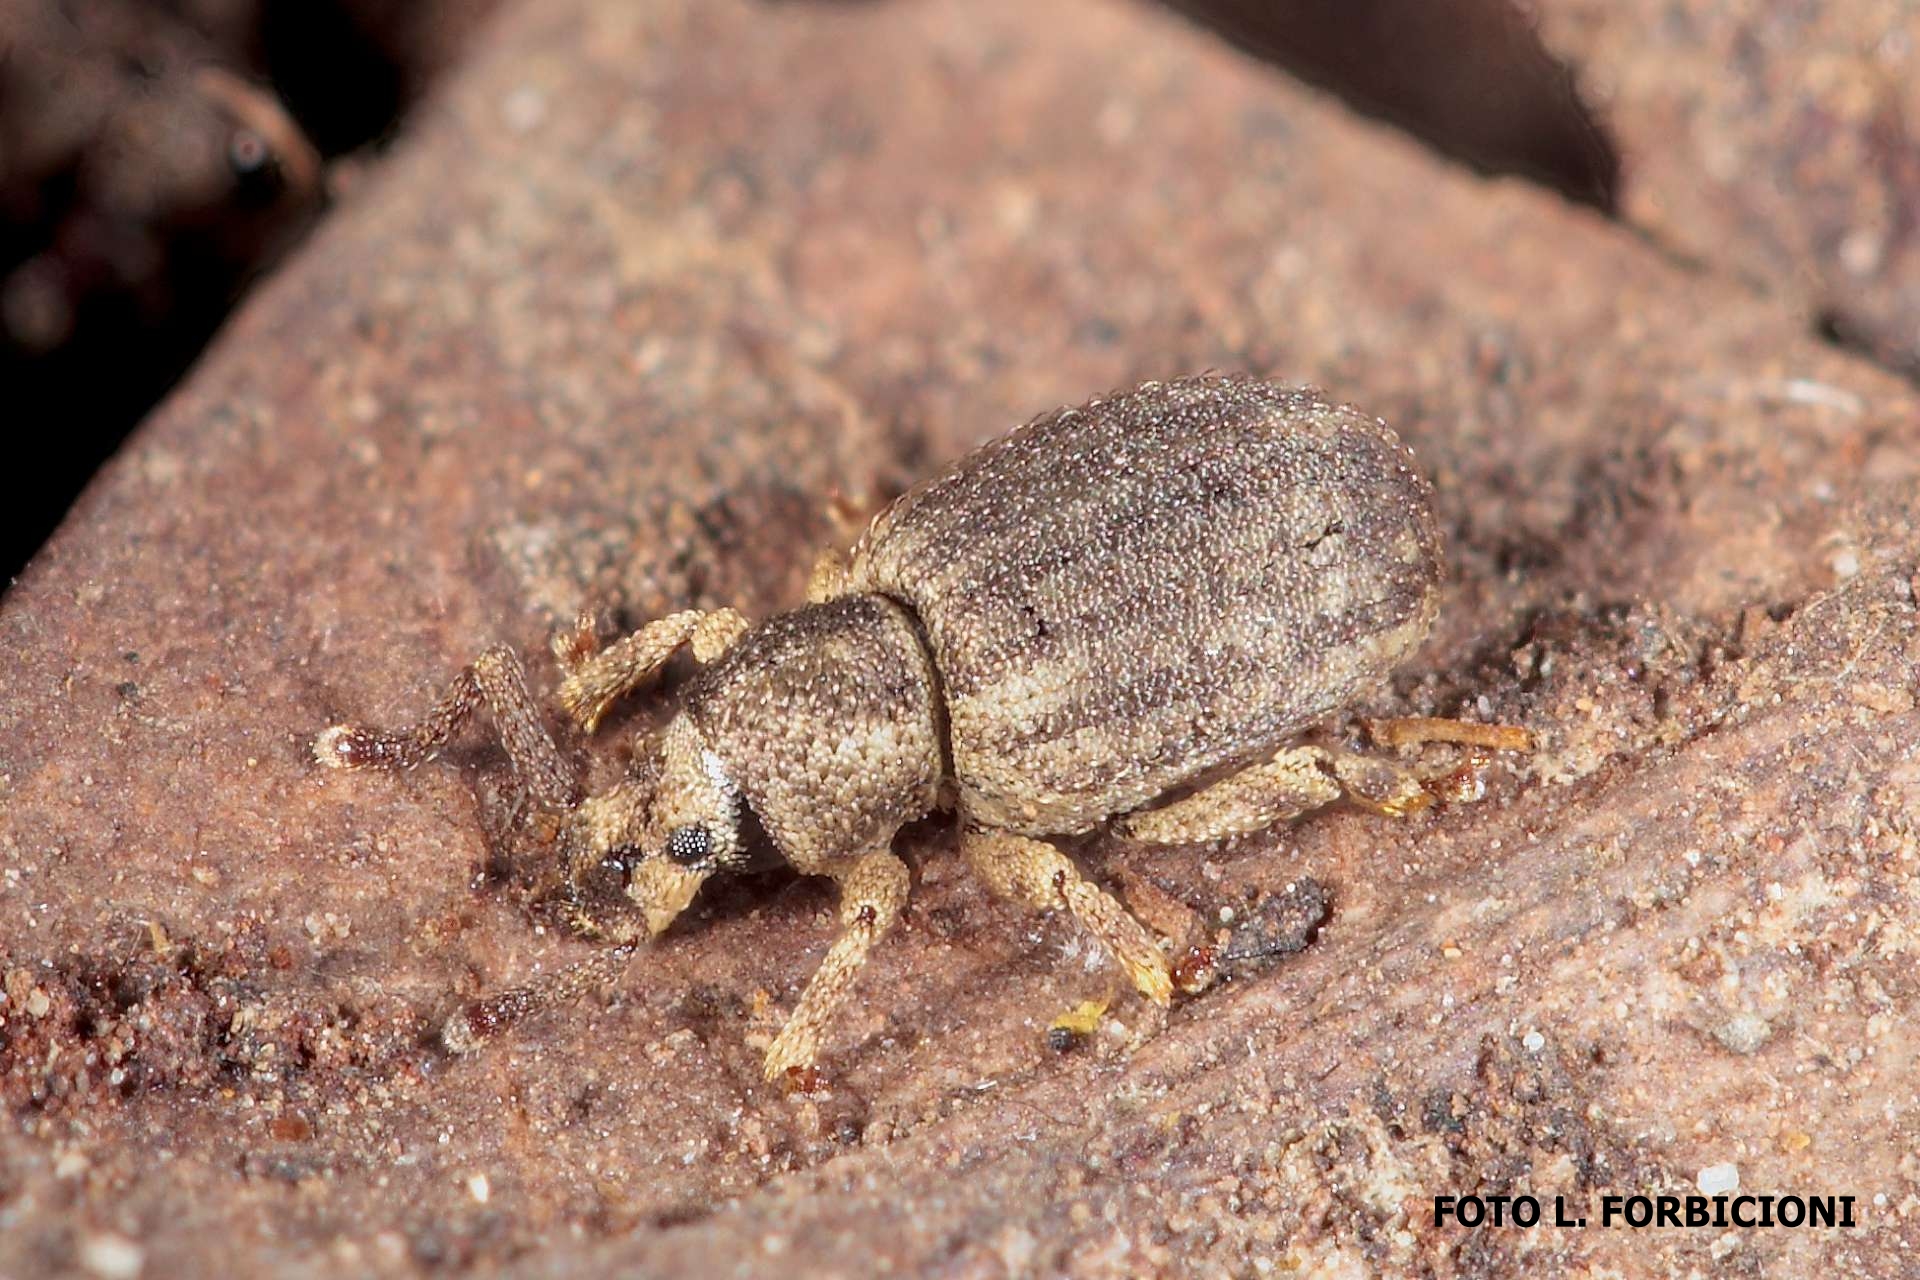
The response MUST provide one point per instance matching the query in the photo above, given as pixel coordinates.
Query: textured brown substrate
(646, 283)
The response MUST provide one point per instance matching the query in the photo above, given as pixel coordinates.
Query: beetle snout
(662, 890)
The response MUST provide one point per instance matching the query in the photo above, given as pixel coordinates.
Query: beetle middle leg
(830, 578)
(1036, 873)
(832, 575)
(594, 682)
(495, 679)
(872, 891)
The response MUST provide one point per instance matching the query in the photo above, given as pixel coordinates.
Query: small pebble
(1718, 1179)
(1744, 1033)
(112, 1257)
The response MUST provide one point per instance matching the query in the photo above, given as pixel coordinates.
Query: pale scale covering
(1130, 594)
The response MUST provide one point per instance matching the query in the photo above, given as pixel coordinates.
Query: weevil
(1122, 614)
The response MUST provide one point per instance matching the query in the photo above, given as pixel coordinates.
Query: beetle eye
(689, 845)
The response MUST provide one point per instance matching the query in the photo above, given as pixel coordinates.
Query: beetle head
(667, 835)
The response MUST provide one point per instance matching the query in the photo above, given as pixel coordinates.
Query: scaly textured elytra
(1097, 609)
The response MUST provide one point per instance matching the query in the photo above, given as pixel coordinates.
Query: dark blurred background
(157, 155)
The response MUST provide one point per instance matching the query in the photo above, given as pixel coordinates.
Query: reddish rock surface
(644, 285)
(1771, 139)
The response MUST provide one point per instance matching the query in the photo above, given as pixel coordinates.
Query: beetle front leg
(480, 1019)
(1036, 873)
(496, 679)
(594, 682)
(872, 891)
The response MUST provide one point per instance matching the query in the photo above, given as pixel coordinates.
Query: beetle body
(1087, 612)
(1155, 590)
(1128, 595)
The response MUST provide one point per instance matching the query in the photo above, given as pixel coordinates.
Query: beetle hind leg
(1402, 731)
(1036, 873)
(1257, 797)
(1295, 781)
(1301, 779)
